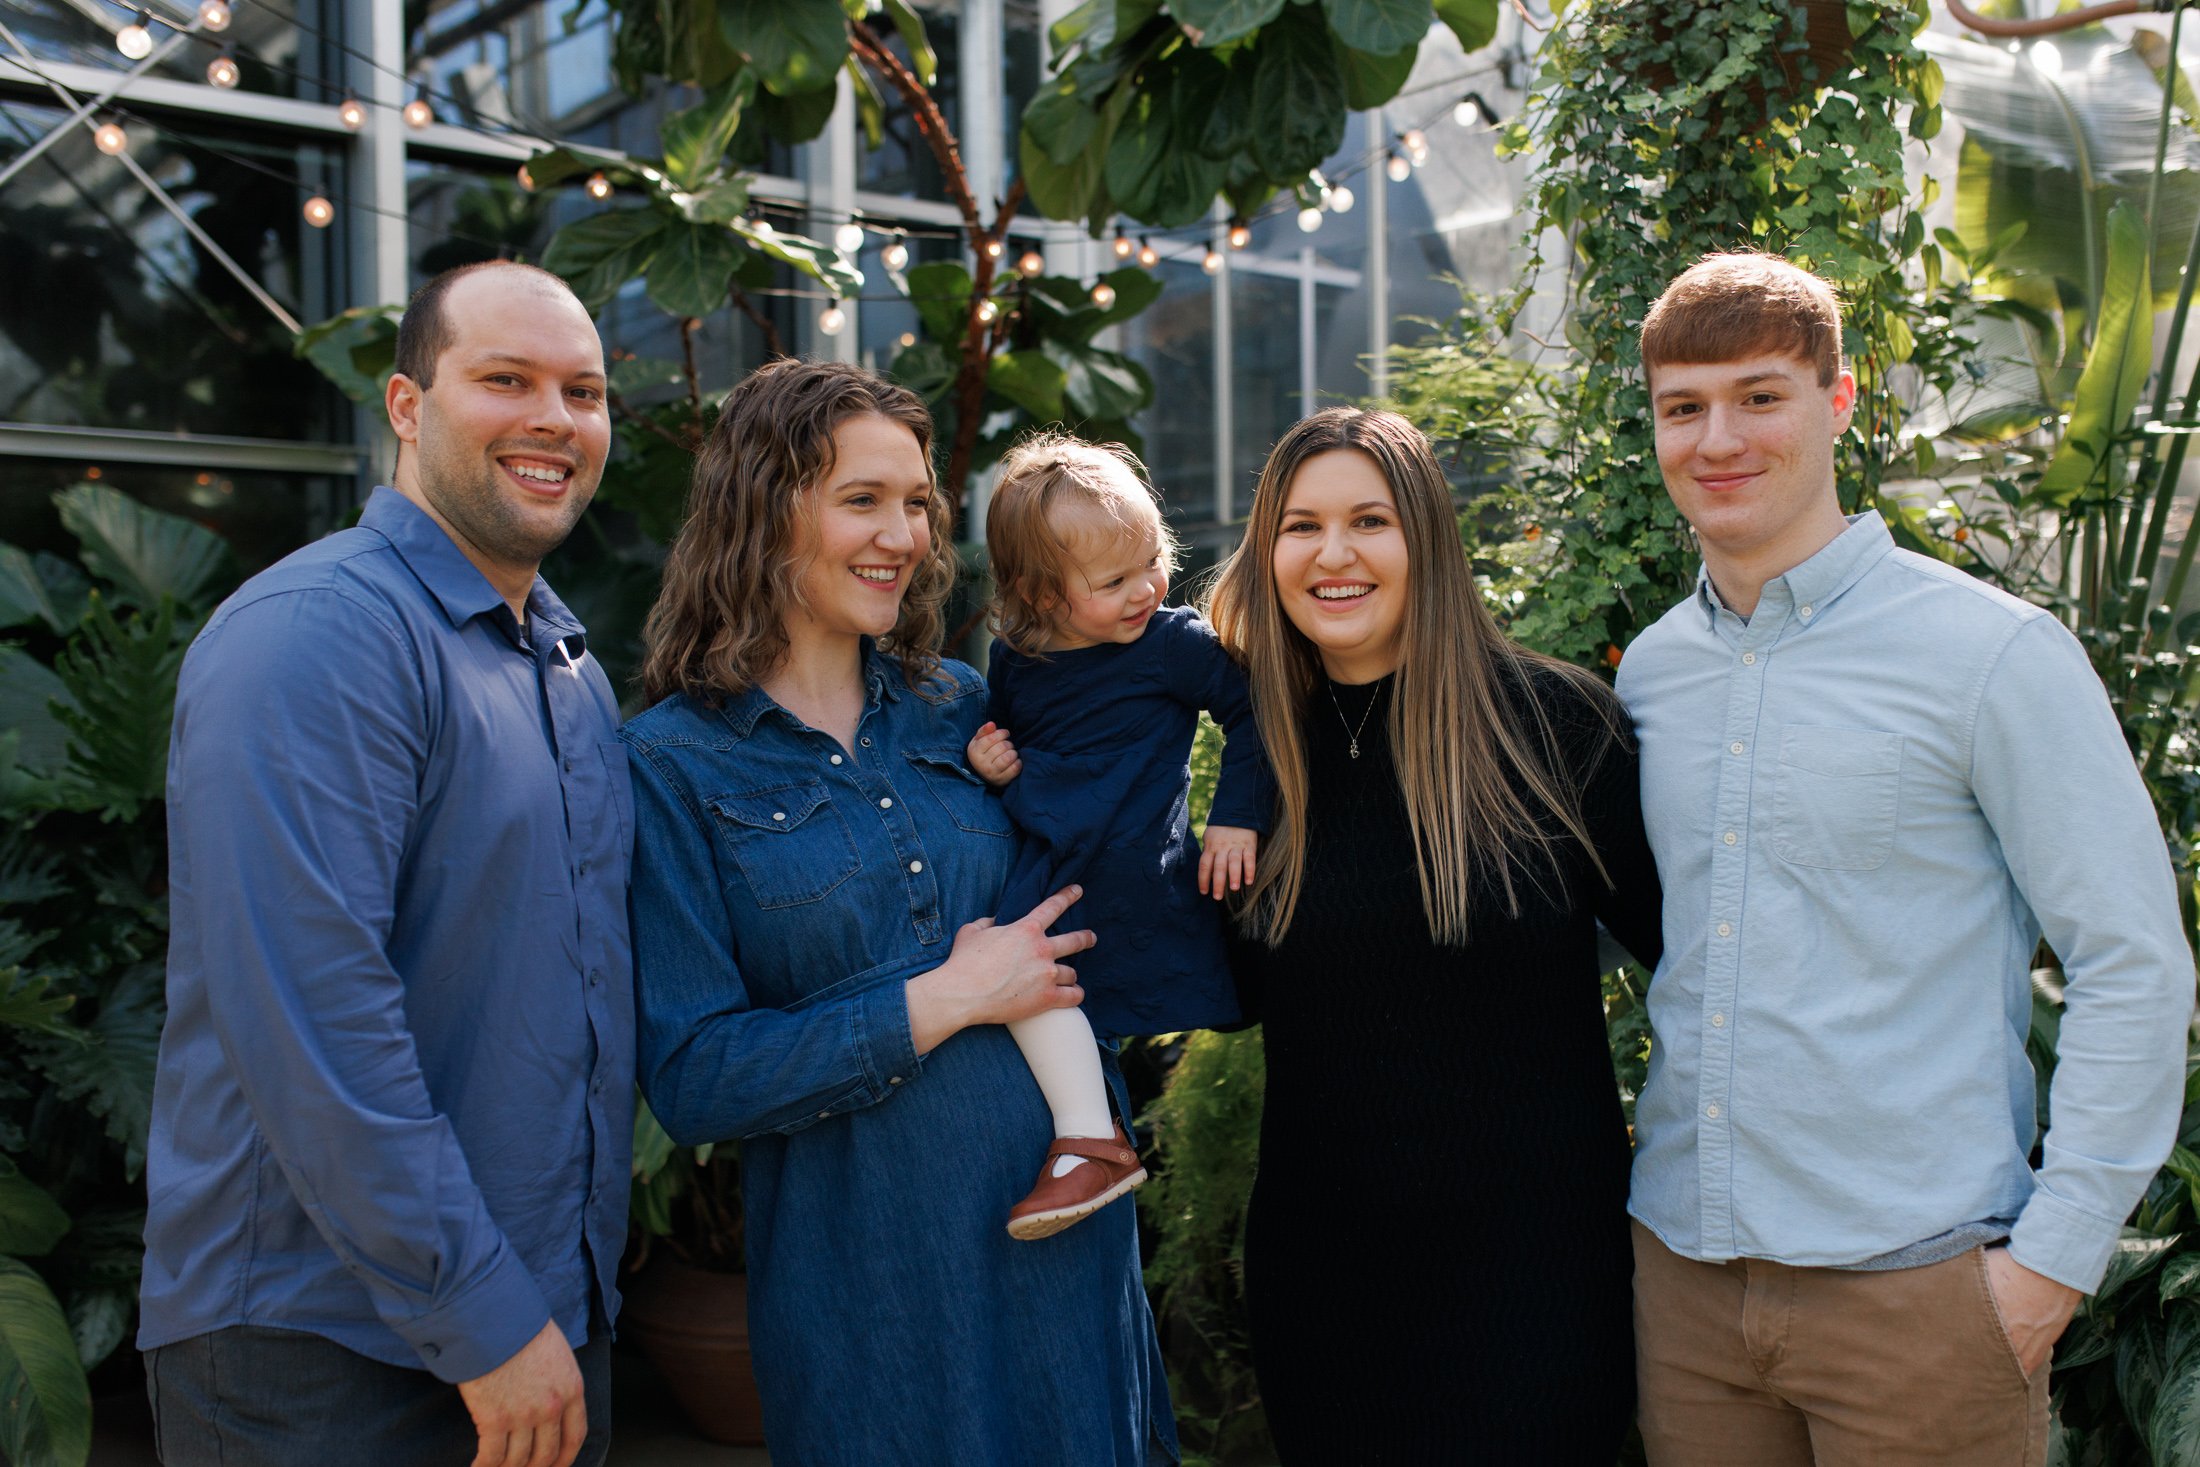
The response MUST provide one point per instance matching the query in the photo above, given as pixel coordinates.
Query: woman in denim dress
(814, 869)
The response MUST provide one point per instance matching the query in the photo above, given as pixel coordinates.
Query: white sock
(1059, 1047)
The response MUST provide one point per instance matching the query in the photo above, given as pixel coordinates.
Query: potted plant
(686, 1291)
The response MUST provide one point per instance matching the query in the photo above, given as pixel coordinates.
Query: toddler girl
(1096, 689)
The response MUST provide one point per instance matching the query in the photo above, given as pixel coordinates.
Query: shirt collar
(457, 583)
(1838, 565)
(881, 675)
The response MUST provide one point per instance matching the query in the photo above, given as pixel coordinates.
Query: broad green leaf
(113, 1074)
(636, 375)
(870, 104)
(814, 258)
(797, 117)
(1371, 80)
(2116, 366)
(356, 350)
(121, 680)
(692, 271)
(2153, 49)
(2173, 1428)
(940, 290)
(601, 253)
(2180, 1277)
(1155, 170)
(1298, 98)
(1061, 190)
(1080, 320)
(29, 1004)
(796, 45)
(1474, 22)
(98, 1320)
(1218, 22)
(696, 139)
(31, 1222)
(144, 553)
(2135, 1256)
(922, 59)
(557, 165)
(1099, 384)
(23, 594)
(1061, 125)
(1029, 380)
(28, 690)
(1379, 26)
(45, 1401)
(722, 203)
(2140, 1365)
(927, 369)
(652, 1147)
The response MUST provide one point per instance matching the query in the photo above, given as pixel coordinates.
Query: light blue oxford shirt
(1868, 801)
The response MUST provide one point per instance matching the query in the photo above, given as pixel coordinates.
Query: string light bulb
(110, 138)
(1103, 295)
(907, 339)
(987, 311)
(1340, 200)
(1398, 168)
(831, 321)
(1212, 261)
(135, 40)
(1241, 235)
(1468, 113)
(418, 113)
(599, 187)
(319, 212)
(1122, 245)
(895, 256)
(213, 15)
(352, 113)
(222, 71)
(1031, 263)
(1310, 219)
(1147, 254)
(992, 249)
(1415, 143)
(849, 237)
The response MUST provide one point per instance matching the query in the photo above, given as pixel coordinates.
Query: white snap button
(1718, 1021)
(915, 866)
(836, 759)
(893, 1079)
(1712, 1110)
(1726, 930)
(886, 804)
(779, 814)
(1729, 837)
(1806, 613)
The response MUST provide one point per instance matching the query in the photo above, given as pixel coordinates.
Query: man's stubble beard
(467, 492)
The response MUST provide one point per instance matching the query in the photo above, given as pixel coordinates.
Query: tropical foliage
(88, 679)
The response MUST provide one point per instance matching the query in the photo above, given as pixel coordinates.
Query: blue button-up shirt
(394, 1098)
(1868, 802)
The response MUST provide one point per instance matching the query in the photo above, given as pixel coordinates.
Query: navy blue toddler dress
(1105, 733)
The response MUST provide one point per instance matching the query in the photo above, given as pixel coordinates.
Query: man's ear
(401, 400)
(1844, 401)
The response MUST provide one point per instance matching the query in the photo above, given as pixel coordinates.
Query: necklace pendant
(1355, 748)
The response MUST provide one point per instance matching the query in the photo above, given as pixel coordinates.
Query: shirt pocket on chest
(968, 800)
(789, 842)
(1836, 797)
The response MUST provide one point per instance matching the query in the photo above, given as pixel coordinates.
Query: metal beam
(116, 445)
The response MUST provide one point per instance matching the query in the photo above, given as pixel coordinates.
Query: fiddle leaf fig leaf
(1474, 22)
(1299, 97)
(922, 59)
(1379, 26)
(796, 45)
(601, 253)
(691, 272)
(1371, 80)
(1218, 22)
(696, 139)
(940, 290)
(1030, 380)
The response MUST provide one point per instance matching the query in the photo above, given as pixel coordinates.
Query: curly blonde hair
(1044, 479)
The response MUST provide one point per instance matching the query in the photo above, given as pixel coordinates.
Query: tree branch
(774, 343)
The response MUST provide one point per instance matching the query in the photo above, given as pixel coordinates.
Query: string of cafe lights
(1401, 154)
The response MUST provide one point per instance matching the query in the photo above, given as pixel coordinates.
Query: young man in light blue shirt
(1873, 785)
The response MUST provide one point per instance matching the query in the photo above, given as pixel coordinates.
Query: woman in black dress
(1437, 1263)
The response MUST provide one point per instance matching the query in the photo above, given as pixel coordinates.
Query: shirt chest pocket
(968, 800)
(1836, 797)
(790, 844)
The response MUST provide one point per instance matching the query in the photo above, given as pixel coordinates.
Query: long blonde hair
(1478, 759)
(719, 623)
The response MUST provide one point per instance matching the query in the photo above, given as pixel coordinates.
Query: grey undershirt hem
(1939, 1249)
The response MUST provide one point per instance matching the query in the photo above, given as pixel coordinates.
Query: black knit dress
(1437, 1261)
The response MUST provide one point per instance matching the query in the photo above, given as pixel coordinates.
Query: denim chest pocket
(1836, 797)
(968, 800)
(791, 844)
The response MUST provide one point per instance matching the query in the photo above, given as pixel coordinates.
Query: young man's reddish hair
(1744, 303)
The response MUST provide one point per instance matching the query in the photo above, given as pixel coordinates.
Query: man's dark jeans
(253, 1397)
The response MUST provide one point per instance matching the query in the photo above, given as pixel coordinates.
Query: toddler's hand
(1226, 863)
(993, 757)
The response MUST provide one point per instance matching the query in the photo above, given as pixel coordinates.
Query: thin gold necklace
(1350, 732)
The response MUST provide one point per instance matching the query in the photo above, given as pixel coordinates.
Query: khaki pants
(1759, 1364)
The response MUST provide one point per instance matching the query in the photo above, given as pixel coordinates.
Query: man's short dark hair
(424, 333)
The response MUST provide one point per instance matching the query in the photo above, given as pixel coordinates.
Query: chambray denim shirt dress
(784, 889)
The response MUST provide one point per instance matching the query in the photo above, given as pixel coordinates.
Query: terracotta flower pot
(693, 1325)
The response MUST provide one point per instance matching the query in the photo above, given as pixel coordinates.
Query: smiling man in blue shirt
(392, 1117)
(1873, 785)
